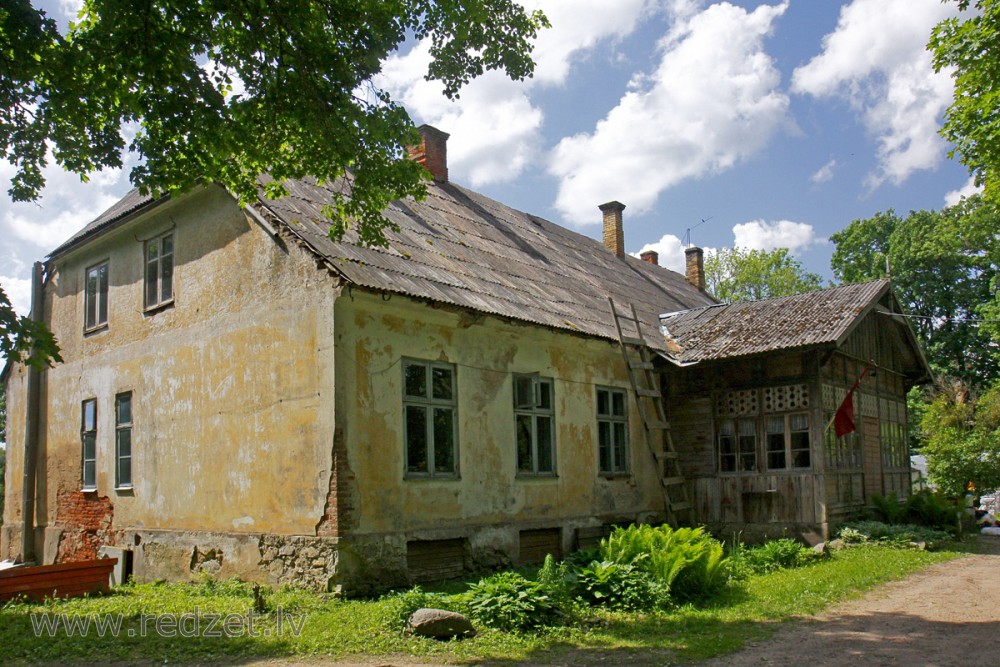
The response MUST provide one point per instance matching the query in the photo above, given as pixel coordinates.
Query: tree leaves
(748, 275)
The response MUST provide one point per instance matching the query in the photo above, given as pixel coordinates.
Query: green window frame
(430, 419)
(123, 440)
(612, 431)
(534, 424)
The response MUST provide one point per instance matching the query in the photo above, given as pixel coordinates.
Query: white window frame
(88, 445)
(430, 404)
(618, 438)
(96, 301)
(529, 391)
(158, 273)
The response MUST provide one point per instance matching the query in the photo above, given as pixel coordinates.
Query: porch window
(738, 445)
(612, 431)
(96, 297)
(159, 271)
(123, 441)
(787, 438)
(534, 424)
(88, 439)
(430, 424)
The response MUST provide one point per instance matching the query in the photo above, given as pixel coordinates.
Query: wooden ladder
(649, 402)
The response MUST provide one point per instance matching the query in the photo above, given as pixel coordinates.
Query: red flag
(843, 420)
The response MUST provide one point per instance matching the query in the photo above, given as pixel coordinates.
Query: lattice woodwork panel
(869, 406)
(737, 403)
(832, 397)
(788, 397)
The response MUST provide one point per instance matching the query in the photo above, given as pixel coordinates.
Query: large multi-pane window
(96, 297)
(787, 438)
(612, 431)
(430, 424)
(737, 445)
(159, 271)
(534, 423)
(88, 440)
(123, 440)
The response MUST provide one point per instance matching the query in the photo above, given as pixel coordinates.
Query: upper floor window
(123, 440)
(96, 300)
(430, 424)
(534, 424)
(612, 431)
(88, 440)
(159, 271)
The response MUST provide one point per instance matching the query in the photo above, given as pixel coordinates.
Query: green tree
(131, 77)
(962, 438)
(21, 339)
(970, 44)
(943, 266)
(739, 274)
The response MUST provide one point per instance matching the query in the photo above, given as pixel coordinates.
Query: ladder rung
(631, 340)
(666, 455)
(647, 393)
(628, 318)
(657, 426)
(672, 481)
(641, 365)
(680, 507)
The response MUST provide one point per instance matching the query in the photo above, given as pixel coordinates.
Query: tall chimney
(614, 237)
(695, 266)
(650, 257)
(432, 153)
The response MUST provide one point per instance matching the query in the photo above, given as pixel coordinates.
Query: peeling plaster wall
(232, 385)
(488, 504)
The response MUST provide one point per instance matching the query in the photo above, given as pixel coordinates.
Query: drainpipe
(31, 429)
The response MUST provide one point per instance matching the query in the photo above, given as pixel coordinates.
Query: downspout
(31, 428)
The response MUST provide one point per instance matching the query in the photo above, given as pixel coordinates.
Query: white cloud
(670, 251)
(495, 127)
(761, 235)
(956, 196)
(712, 102)
(18, 290)
(824, 173)
(876, 58)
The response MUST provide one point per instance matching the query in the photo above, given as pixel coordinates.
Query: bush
(559, 578)
(402, 605)
(687, 560)
(899, 535)
(778, 555)
(620, 586)
(507, 601)
(923, 508)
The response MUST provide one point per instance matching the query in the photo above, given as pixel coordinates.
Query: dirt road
(948, 614)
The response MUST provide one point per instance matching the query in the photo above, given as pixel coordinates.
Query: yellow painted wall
(374, 334)
(232, 385)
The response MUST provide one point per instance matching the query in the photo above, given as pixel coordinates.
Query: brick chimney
(432, 153)
(614, 237)
(695, 266)
(650, 257)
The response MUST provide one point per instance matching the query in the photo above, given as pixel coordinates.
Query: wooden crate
(61, 580)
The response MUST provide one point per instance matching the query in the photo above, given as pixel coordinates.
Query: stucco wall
(232, 384)
(375, 334)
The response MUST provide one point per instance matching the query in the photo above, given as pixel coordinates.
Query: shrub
(400, 606)
(560, 578)
(508, 601)
(777, 555)
(621, 586)
(900, 535)
(923, 508)
(686, 560)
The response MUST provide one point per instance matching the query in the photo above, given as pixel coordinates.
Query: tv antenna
(686, 241)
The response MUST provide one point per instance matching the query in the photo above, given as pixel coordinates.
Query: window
(430, 427)
(612, 431)
(123, 441)
(788, 441)
(96, 302)
(159, 271)
(737, 445)
(534, 423)
(88, 439)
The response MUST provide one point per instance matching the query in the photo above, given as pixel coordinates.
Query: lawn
(172, 623)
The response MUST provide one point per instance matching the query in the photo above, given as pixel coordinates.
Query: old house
(243, 396)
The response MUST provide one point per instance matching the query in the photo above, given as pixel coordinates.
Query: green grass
(340, 628)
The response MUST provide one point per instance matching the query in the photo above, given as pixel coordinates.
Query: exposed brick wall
(338, 514)
(86, 519)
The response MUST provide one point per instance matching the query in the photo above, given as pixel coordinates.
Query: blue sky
(776, 122)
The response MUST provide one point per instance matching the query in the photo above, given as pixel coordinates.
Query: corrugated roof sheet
(462, 248)
(739, 329)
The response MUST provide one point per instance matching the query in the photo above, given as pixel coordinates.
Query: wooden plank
(61, 580)
(672, 481)
(647, 393)
(429, 560)
(632, 340)
(641, 365)
(657, 425)
(536, 544)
